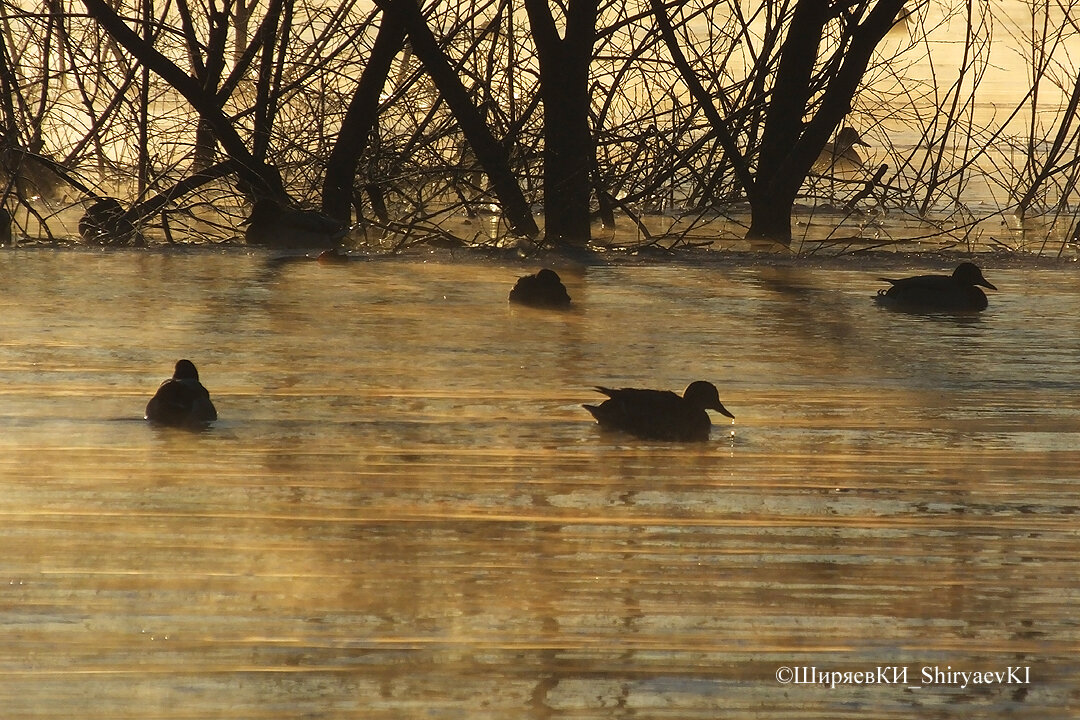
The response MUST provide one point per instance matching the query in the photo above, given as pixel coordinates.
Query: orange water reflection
(404, 512)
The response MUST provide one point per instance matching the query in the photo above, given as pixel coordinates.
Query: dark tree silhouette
(208, 64)
(806, 104)
(264, 180)
(490, 154)
(569, 150)
(790, 145)
(360, 117)
(583, 102)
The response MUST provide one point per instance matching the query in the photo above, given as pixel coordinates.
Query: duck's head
(548, 277)
(970, 274)
(185, 370)
(704, 395)
(849, 137)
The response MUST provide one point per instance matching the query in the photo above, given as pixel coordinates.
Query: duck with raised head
(181, 401)
(105, 222)
(543, 289)
(938, 293)
(660, 414)
(275, 225)
(841, 154)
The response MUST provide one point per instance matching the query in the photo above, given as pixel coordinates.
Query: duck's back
(276, 226)
(106, 223)
(544, 289)
(651, 414)
(932, 292)
(181, 403)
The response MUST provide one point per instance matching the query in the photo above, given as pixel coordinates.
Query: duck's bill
(724, 411)
(987, 284)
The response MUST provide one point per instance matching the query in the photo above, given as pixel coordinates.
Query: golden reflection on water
(404, 512)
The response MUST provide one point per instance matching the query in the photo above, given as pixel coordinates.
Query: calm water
(404, 512)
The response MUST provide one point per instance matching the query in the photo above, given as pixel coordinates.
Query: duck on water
(181, 401)
(105, 222)
(660, 414)
(841, 154)
(543, 289)
(276, 225)
(938, 293)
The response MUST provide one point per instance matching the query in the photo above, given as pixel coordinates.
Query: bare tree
(488, 151)
(569, 154)
(808, 98)
(414, 119)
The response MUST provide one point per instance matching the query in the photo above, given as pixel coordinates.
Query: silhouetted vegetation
(454, 123)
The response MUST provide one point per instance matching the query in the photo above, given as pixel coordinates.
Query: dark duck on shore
(542, 290)
(938, 293)
(275, 225)
(181, 401)
(660, 414)
(106, 223)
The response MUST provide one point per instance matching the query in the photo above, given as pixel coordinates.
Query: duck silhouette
(942, 293)
(543, 289)
(660, 414)
(106, 223)
(181, 401)
(275, 225)
(841, 153)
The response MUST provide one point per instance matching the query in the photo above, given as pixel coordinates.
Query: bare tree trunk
(491, 155)
(360, 118)
(208, 72)
(266, 83)
(788, 147)
(569, 151)
(143, 170)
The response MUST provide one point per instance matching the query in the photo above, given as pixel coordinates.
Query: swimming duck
(944, 293)
(841, 154)
(660, 414)
(276, 225)
(181, 401)
(544, 289)
(106, 223)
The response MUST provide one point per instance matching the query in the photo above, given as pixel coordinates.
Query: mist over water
(403, 510)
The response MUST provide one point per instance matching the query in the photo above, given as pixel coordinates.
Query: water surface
(403, 510)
